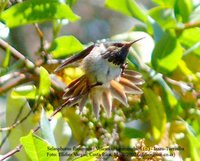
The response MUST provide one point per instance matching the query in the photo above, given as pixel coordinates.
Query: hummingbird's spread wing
(75, 58)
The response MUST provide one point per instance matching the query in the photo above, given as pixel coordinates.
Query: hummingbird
(106, 76)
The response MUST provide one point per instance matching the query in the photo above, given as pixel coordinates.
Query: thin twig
(17, 117)
(18, 148)
(41, 36)
(4, 45)
(17, 122)
(11, 153)
(14, 83)
(188, 25)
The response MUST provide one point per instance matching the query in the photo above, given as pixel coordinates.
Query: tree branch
(12, 152)
(4, 45)
(12, 84)
(188, 25)
(19, 147)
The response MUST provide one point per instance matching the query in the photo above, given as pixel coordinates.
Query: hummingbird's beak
(128, 44)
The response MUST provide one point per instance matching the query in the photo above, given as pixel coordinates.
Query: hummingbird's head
(118, 51)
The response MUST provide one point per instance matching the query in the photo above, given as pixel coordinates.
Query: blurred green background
(45, 32)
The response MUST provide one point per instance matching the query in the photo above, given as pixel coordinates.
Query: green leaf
(46, 131)
(62, 131)
(163, 16)
(190, 39)
(71, 2)
(92, 156)
(183, 9)
(25, 91)
(194, 147)
(7, 58)
(45, 82)
(194, 142)
(165, 3)
(127, 7)
(195, 14)
(79, 130)
(169, 99)
(37, 149)
(154, 28)
(34, 11)
(18, 109)
(131, 8)
(64, 46)
(156, 113)
(133, 133)
(167, 54)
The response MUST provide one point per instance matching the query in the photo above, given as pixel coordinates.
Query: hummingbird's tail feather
(76, 92)
(75, 87)
(79, 90)
(107, 101)
(133, 77)
(130, 88)
(129, 80)
(132, 73)
(117, 91)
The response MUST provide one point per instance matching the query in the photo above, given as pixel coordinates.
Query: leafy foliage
(33, 11)
(37, 149)
(58, 47)
(166, 115)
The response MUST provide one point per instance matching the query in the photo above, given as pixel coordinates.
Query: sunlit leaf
(7, 58)
(37, 149)
(156, 112)
(79, 130)
(169, 99)
(45, 82)
(194, 147)
(195, 14)
(34, 11)
(127, 7)
(183, 9)
(194, 142)
(167, 54)
(64, 46)
(46, 131)
(183, 70)
(189, 38)
(166, 3)
(25, 91)
(131, 8)
(163, 16)
(62, 131)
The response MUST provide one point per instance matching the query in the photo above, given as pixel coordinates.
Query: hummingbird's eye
(118, 44)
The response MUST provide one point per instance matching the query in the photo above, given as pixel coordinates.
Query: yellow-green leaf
(38, 149)
(127, 7)
(64, 46)
(45, 82)
(25, 91)
(156, 112)
(34, 11)
(167, 54)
